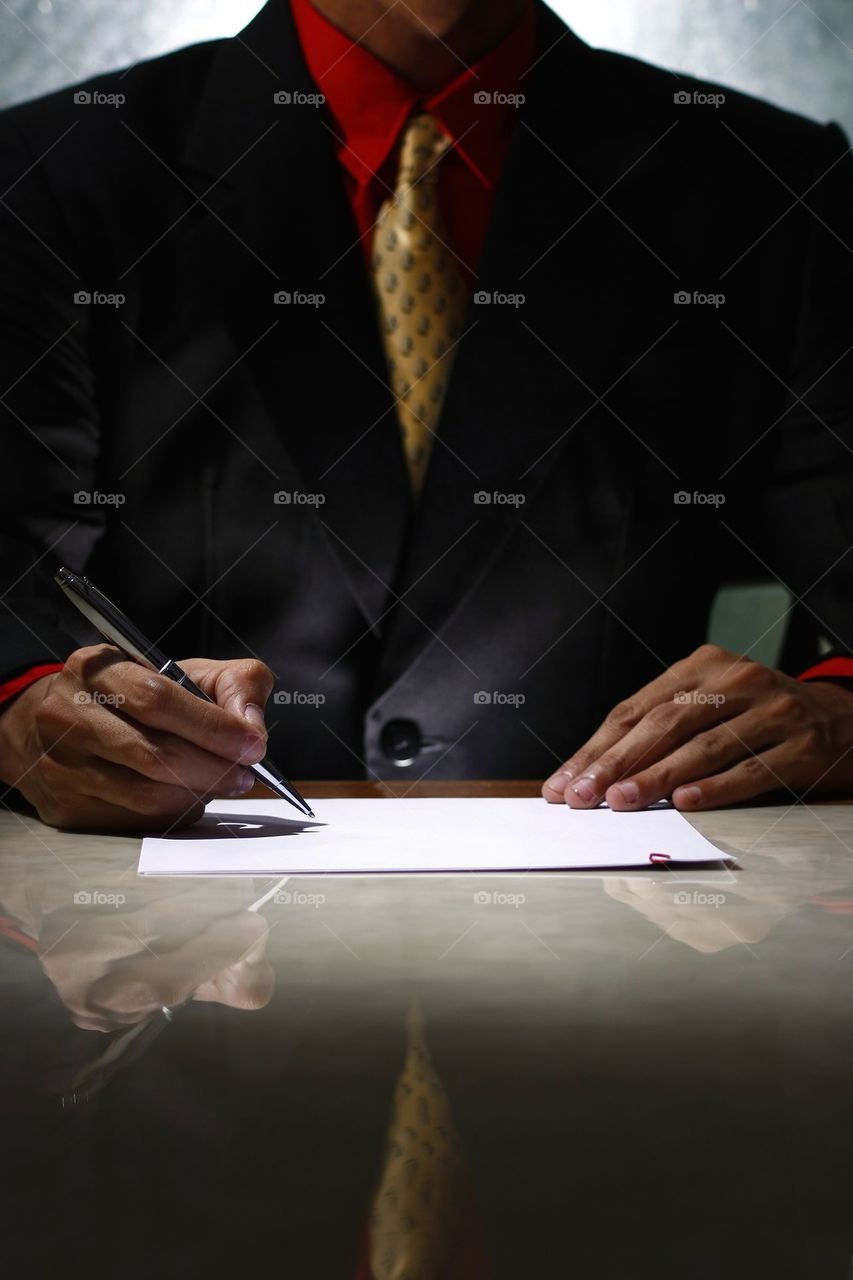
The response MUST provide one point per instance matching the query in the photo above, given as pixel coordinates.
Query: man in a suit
(441, 367)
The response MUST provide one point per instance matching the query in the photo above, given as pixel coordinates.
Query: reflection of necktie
(420, 291)
(422, 1190)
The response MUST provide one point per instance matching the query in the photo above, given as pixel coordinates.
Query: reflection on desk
(569, 1075)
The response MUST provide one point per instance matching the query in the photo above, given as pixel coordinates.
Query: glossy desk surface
(649, 1074)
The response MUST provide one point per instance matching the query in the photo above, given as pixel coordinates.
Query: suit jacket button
(401, 741)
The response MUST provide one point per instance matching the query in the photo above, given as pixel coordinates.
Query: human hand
(106, 744)
(713, 730)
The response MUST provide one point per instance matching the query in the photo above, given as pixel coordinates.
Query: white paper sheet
(267, 837)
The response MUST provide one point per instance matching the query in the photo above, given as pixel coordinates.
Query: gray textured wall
(797, 54)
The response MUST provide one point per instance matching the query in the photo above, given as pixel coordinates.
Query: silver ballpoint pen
(120, 631)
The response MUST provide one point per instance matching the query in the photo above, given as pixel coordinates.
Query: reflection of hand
(769, 887)
(114, 970)
(706, 917)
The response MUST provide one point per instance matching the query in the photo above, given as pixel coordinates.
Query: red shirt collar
(370, 103)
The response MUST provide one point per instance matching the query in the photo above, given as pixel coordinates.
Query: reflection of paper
(267, 837)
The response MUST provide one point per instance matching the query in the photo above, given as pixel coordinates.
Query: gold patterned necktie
(421, 1194)
(420, 291)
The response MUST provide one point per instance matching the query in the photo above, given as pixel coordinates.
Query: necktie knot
(424, 143)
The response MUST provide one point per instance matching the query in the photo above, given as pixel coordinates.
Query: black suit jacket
(585, 414)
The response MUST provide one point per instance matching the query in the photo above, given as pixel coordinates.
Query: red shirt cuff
(11, 688)
(829, 669)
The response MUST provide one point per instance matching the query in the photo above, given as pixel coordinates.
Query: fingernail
(558, 781)
(629, 791)
(253, 750)
(255, 715)
(245, 783)
(585, 790)
(255, 954)
(689, 795)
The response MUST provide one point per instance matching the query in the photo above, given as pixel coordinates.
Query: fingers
(72, 810)
(246, 983)
(621, 720)
(157, 702)
(708, 752)
(161, 757)
(661, 732)
(241, 986)
(682, 677)
(117, 784)
(79, 789)
(223, 963)
(108, 732)
(242, 686)
(642, 750)
(744, 781)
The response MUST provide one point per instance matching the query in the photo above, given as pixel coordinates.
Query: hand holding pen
(113, 743)
(111, 980)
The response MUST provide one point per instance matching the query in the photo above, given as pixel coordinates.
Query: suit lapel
(280, 223)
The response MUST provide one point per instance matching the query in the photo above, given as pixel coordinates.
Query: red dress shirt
(369, 105)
